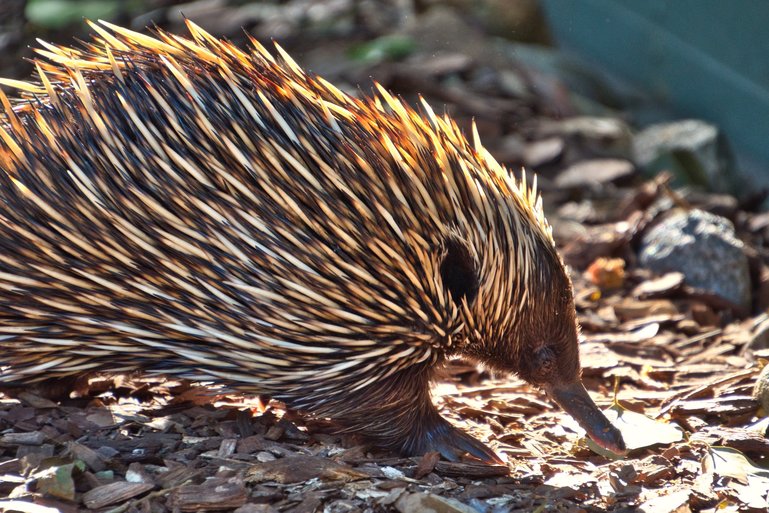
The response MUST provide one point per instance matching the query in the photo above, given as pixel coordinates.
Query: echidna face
(523, 323)
(549, 350)
(541, 346)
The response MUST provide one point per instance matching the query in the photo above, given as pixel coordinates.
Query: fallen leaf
(659, 287)
(607, 273)
(426, 464)
(676, 502)
(297, 469)
(638, 430)
(750, 483)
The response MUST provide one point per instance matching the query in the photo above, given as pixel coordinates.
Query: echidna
(183, 207)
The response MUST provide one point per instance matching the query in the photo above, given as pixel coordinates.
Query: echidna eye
(458, 272)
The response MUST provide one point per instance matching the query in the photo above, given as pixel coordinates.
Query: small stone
(705, 249)
(761, 389)
(760, 337)
(264, 456)
(692, 149)
(227, 447)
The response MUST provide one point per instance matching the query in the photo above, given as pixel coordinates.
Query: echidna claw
(453, 444)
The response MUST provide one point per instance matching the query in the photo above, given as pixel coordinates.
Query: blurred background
(589, 92)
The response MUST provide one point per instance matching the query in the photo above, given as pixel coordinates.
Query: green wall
(704, 58)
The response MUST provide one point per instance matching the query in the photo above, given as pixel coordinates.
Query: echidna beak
(573, 398)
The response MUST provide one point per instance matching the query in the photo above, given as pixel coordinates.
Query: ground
(676, 364)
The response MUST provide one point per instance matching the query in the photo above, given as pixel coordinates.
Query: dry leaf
(638, 430)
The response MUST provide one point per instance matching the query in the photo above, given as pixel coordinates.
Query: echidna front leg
(400, 415)
(434, 433)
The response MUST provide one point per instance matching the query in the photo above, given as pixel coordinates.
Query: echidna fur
(184, 207)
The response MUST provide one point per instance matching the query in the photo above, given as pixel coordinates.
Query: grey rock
(692, 149)
(705, 249)
(759, 339)
(761, 389)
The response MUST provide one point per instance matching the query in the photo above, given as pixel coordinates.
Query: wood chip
(470, 470)
(302, 468)
(426, 464)
(113, 493)
(93, 459)
(25, 507)
(214, 494)
(31, 438)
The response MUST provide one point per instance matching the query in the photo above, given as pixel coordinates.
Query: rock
(594, 173)
(705, 249)
(692, 149)
(761, 389)
(759, 339)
